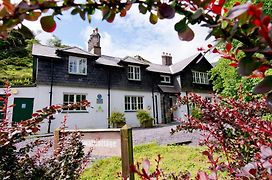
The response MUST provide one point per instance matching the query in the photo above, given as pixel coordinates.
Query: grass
(174, 159)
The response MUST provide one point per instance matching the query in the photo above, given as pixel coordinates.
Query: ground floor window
(133, 103)
(74, 98)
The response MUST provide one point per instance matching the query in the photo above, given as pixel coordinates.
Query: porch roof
(169, 89)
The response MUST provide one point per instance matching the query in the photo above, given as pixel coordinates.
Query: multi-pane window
(165, 79)
(133, 103)
(74, 98)
(200, 77)
(134, 73)
(77, 65)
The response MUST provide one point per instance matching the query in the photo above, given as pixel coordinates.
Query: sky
(127, 36)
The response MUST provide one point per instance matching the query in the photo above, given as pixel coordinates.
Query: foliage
(143, 117)
(236, 129)
(174, 159)
(117, 117)
(243, 23)
(55, 42)
(197, 113)
(22, 158)
(15, 59)
(227, 82)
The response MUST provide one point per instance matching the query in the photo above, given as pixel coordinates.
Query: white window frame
(74, 99)
(79, 65)
(200, 77)
(134, 103)
(134, 73)
(166, 79)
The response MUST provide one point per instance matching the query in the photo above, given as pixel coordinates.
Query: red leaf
(228, 47)
(233, 64)
(200, 49)
(263, 68)
(216, 9)
(266, 20)
(215, 50)
(257, 22)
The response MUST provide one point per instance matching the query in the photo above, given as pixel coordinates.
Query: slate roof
(135, 60)
(159, 68)
(76, 50)
(179, 66)
(47, 51)
(109, 61)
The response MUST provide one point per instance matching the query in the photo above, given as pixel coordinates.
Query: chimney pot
(166, 59)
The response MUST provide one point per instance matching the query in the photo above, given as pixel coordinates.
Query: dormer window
(134, 73)
(165, 79)
(77, 65)
(200, 77)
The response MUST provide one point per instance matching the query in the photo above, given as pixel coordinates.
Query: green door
(23, 109)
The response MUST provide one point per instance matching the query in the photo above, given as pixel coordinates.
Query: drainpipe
(109, 96)
(50, 118)
(153, 104)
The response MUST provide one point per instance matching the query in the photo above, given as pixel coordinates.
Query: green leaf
(106, 12)
(153, 18)
(181, 25)
(197, 14)
(264, 86)
(142, 9)
(75, 11)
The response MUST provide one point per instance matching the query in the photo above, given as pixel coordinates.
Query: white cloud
(134, 35)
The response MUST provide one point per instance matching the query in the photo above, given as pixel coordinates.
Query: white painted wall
(182, 111)
(94, 118)
(96, 115)
(118, 104)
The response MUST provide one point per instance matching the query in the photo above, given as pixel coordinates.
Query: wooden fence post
(127, 152)
(56, 139)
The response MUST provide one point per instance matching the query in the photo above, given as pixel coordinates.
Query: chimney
(166, 59)
(94, 43)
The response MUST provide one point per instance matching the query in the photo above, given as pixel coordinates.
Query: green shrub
(144, 118)
(197, 113)
(117, 119)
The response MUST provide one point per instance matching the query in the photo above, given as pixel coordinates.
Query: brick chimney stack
(166, 59)
(94, 43)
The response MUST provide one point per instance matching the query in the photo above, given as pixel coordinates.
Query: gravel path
(161, 135)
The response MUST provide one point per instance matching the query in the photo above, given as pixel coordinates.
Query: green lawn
(174, 159)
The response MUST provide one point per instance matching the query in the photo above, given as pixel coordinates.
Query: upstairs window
(77, 65)
(133, 103)
(200, 77)
(134, 73)
(74, 98)
(165, 79)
